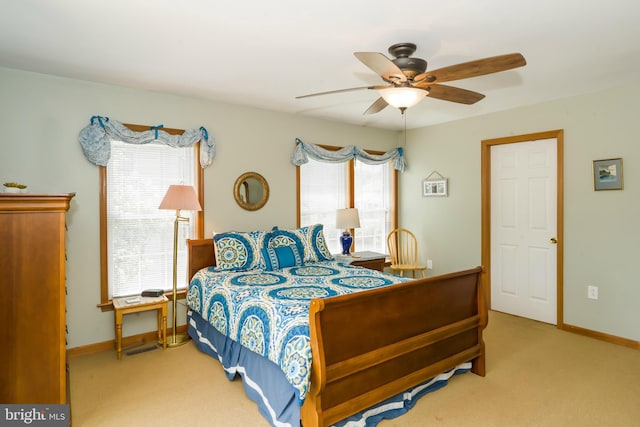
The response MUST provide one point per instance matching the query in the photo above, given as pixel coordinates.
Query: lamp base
(177, 340)
(345, 241)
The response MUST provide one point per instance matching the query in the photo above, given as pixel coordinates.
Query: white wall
(40, 117)
(601, 228)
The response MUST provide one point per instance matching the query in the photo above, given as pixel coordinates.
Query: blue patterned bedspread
(268, 311)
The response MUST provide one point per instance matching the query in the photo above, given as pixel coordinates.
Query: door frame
(486, 145)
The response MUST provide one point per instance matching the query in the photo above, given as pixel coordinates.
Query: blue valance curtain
(96, 137)
(305, 150)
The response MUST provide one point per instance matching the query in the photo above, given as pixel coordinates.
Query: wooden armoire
(33, 364)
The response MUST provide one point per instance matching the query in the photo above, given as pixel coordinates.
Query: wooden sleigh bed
(368, 346)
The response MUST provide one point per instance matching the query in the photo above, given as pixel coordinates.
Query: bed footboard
(371, 345)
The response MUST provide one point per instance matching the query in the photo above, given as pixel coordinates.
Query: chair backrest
(403, 247)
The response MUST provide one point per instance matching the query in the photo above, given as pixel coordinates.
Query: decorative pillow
(238, 251)
(281, 256)
(291, 254)
(315, 245)
(277, 238)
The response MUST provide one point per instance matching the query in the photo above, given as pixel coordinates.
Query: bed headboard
(200, 255)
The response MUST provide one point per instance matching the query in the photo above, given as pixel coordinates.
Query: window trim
(351, 185)
(105, 303)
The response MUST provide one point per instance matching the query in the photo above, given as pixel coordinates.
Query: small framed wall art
(607, 174)
(435, 186)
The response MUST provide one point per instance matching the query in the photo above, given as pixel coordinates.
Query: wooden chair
(403, 249)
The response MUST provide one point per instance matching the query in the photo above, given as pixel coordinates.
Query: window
(324, 187)
(374, 197)
(136, 236)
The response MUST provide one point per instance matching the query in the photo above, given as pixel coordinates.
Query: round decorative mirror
(251, 191)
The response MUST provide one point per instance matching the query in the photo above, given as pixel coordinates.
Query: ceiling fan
(409, 82)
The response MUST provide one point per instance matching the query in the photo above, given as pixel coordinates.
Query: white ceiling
(265, 53)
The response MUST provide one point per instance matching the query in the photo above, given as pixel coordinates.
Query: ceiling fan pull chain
(405, 128)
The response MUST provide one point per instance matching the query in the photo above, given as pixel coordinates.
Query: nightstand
(136, 304)
(367, 259)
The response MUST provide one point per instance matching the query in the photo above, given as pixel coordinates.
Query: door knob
(553, 240)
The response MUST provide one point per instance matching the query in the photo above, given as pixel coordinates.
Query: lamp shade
(181, 197)
(402, 97)
(347, 218)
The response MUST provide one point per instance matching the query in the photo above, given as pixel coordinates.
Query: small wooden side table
(367, 259)
(135, 304)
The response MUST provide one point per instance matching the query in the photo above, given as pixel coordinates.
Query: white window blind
(372, 197)
(324, 188)
(139, 235)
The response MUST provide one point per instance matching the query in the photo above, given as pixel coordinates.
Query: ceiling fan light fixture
(402, 97)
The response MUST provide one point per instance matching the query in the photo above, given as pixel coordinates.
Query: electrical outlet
(430, 264)
(592, 292)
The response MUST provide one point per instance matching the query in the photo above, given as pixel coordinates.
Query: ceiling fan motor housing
(409, 66)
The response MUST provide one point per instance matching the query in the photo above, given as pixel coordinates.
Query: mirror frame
(265, 191)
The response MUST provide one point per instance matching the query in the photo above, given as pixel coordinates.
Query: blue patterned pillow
(238, 251)
(315, 245)
(277, 238)
(282, 256)
(282, 249)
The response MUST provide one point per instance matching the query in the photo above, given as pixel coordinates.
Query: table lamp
(347, 219)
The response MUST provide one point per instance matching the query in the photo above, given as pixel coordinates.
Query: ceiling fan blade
(336, 91)
(454, 94)
(377, 106)
(475, 68)
(382, 65)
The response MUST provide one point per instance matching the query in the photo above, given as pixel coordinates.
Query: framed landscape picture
(607, 174)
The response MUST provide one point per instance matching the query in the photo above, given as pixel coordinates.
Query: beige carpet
(536, 376)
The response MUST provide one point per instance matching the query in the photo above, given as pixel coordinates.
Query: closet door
(524, 233)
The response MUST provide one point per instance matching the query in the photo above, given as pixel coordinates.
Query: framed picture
(607, 174)
(434, 187)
